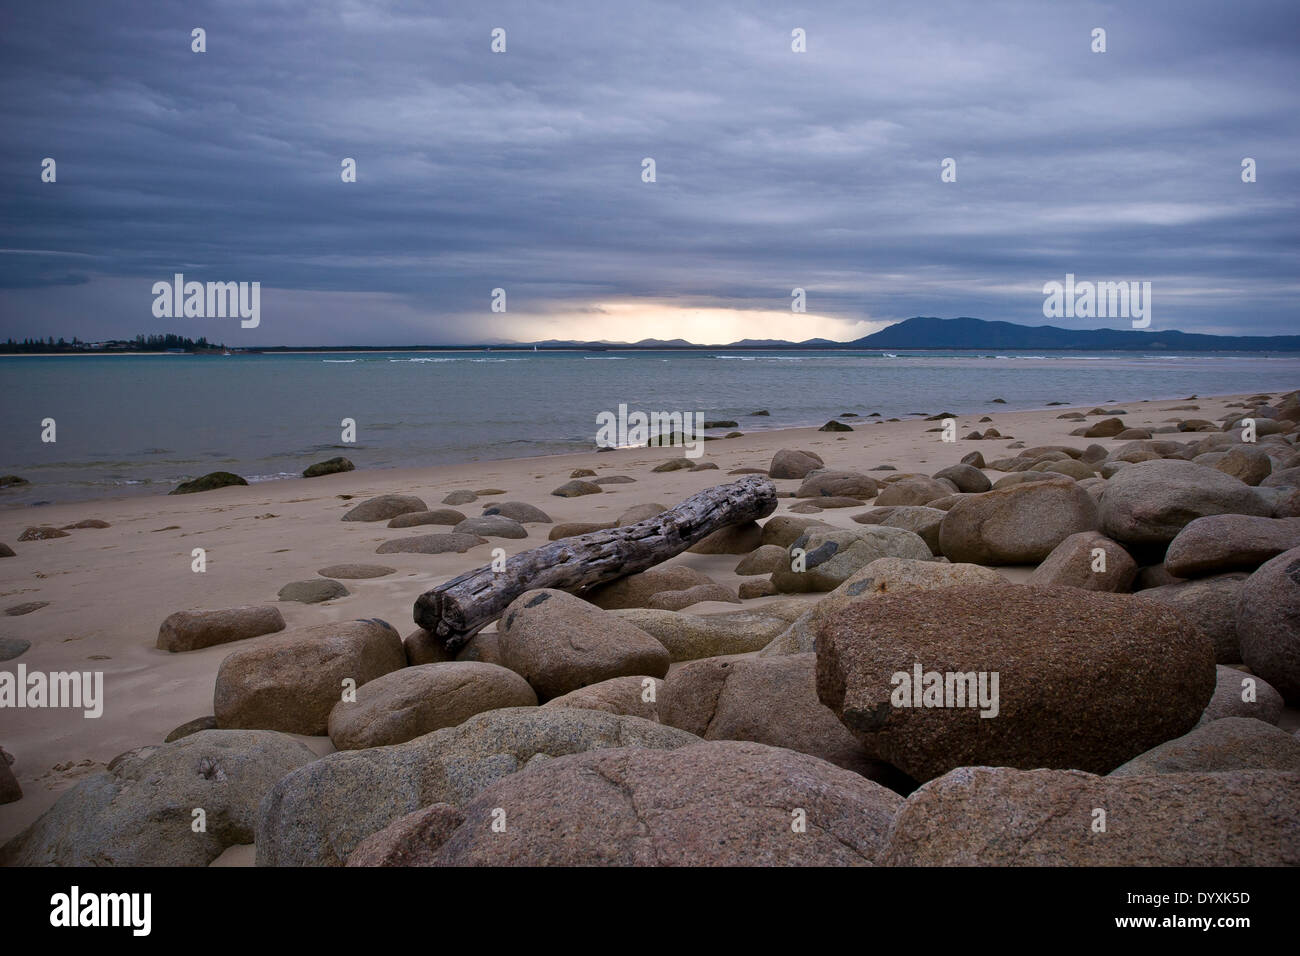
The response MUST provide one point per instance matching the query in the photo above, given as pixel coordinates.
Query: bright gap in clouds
(634, 321)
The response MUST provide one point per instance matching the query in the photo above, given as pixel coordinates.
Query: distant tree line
(141, 343)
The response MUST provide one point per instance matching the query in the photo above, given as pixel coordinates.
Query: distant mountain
(968, 333)
(919, 333)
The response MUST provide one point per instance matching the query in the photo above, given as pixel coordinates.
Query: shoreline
(992, 410)
(109, 589)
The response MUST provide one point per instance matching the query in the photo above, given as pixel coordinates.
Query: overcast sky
(523, 170)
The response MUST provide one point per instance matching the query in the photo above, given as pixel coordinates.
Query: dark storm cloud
(522, 170)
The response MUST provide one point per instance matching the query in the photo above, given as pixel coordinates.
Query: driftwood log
(455, 611)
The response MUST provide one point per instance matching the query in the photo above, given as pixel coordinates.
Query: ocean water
(142, 424)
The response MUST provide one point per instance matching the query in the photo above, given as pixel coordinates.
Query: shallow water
(142, 424)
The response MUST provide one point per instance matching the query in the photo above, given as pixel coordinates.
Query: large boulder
(881, 577)
(1086, 560)
(836, 484)
(558, 643)
(140, 811)
(1020, 524)
(994, 816)
(967, 478)
(384, 507)
(1151, 501)
(1209, 603)
(1012, 676)
(413, 701)
(1230, 743)
(191, 630)
(822, 558)
(291, 682)
(1268, 623)
(913, 490)
(1239, 694)
(918, 519)
(316, 816)
(781, 530)
(723, 803)
(411, 840)
(733, 539)
(769, 700)
(689, 637)
(653, 587)
(629, 696)
(1251, 465)
(1218, 543)
(790, 463)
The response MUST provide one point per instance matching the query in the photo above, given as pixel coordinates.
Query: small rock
(384, 507)
(519, 511)
(639, 513)
(13, 647)
(27, 607)
(675, 464)
(431, 544)
(447, 516)
(492, 526)
(331, 466)
(314, 591)
(208, 482)
(192, 630)
(568, 529)
(41, 533)
(356, 571)
(576, 489)
(763, 560)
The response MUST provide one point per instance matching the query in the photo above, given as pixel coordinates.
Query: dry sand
(109, 589)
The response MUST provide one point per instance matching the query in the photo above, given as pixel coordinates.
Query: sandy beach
(108, 589)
